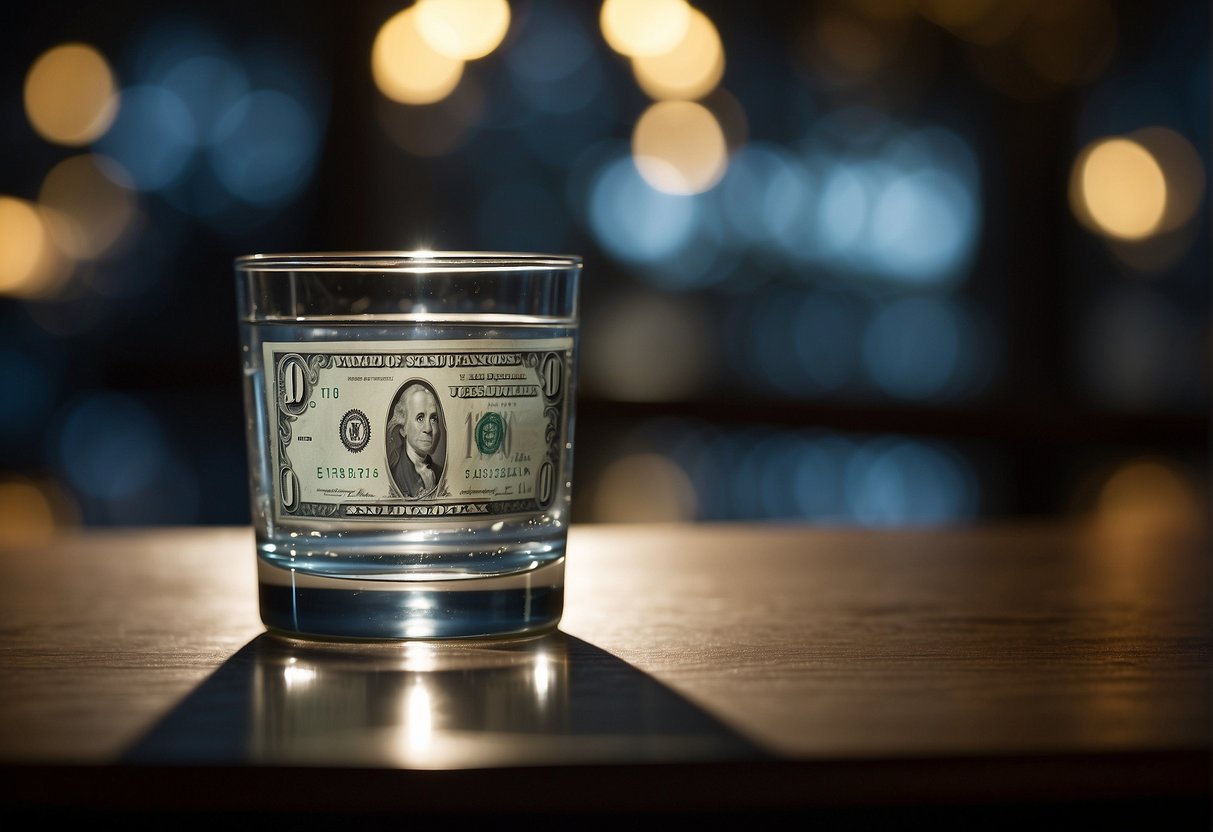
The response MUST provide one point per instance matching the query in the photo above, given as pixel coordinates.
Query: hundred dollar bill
(374, 431)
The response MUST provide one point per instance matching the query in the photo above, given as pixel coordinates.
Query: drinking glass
(410, 424)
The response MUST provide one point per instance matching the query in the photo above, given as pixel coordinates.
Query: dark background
(1024, 366)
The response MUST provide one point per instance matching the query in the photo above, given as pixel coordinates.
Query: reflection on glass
(418, 718)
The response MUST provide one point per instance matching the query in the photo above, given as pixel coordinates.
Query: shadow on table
(550, 700)
(542, 731)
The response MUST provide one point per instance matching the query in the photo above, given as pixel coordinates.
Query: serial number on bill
(496, 473)
(351, 473)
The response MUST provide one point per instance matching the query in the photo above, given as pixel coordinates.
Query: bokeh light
(767, 197)
(153, 137)
(914, 347)
(1118, 189)
(223, 136)
(644, 27)
(627, 333)
(825, 477)
(116, 455)
(767, 357)
(679, 147)
(690, 70)
(552, 61)
(31, 267)
(902, 206)
(634, 222)
(903, 482)
(1183, 173)
(207, 83)
(94, 212)
(265, 146)
(406, 68)
(842, 215)
(816, 485)
(23, 243)
(110, 446)
(1158, 253)
(463, 29)
(827, 340)
(70, 95)
(730, 114)
(33, 512)
(1145, 501)
(701, 262)
(922, 226)
(644, 488)
(25, 514)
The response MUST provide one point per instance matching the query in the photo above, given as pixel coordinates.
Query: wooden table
(1001, 674)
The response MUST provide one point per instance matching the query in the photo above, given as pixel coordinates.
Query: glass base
(317, 606)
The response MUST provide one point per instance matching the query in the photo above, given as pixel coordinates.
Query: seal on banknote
(490, 433)
(355, 430)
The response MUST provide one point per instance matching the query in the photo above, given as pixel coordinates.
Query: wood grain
(854, 643)
(815, 644)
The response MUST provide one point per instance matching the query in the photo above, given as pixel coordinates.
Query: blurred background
(851, 262)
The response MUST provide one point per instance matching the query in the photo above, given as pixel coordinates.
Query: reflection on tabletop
(429, 705)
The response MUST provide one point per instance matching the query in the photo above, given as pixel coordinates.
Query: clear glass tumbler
(410, 439)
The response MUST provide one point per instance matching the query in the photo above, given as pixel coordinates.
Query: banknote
(396, 430)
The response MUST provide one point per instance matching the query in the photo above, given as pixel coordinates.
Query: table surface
(698, 668)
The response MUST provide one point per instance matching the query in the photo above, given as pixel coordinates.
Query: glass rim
(406, 261)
